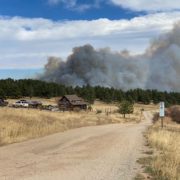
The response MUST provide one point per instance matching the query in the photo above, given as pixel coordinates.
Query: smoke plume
(158, 68)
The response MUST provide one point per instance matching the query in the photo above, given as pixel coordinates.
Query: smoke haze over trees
(158, 68)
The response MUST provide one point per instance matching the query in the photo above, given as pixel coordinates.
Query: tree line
(10, 88)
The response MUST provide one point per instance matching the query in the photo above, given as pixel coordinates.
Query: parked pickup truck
(3, 102)
(27, 104)
(21, 103)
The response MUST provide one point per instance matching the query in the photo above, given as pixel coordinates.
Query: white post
(162, 113)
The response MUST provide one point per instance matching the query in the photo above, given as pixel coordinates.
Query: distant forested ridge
(10, 88)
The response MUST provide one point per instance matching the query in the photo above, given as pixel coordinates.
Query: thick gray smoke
(158, 68)
(164, 62)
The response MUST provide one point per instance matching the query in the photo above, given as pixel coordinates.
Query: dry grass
(166, 165)
(21, 124)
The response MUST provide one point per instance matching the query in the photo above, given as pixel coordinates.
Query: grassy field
(164, 163)
(21, 124)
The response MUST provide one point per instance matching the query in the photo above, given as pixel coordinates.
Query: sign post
(162, 112)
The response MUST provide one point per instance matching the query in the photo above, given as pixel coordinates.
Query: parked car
(35, 104)
(21, 103)
(3, 102)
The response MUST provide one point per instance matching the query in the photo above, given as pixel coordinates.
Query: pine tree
(126, 107)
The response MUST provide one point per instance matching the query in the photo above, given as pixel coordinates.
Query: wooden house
(72, 102)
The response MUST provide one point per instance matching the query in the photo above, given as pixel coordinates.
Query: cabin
(72, 102)
(3, 102)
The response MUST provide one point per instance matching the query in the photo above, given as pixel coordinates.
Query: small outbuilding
(3, 102)
(72, 102)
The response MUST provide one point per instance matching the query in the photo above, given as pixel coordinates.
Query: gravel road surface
(107, 152)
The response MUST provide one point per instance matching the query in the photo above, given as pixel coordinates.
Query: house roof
(75, 100)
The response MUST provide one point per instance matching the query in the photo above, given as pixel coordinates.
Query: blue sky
(33, 30)
(19, 73)
(60, 11)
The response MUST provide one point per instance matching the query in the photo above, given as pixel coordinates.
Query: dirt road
(106, 152)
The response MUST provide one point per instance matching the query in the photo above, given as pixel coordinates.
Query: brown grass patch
(166, 165)
(21, 124)
(174, 113)
(139, 177)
